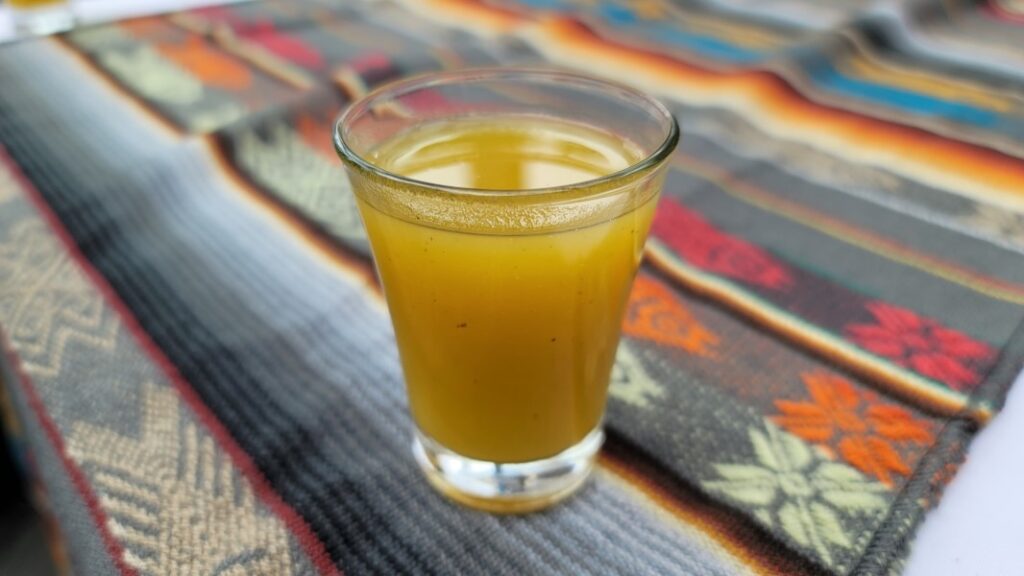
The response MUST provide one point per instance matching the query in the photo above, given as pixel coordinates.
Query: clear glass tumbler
(41, 16)
(507, 211)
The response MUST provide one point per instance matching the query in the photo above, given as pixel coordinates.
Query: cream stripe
(226, 481)
(114, 484)
(131, 536)
(125, 509)
(207, 472)
(190, 454)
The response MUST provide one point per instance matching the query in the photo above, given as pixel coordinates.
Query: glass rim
(477, 75)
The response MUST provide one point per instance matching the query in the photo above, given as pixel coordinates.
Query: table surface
(977, 526)
(975, 530)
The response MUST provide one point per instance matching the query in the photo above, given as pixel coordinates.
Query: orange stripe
(497, 19)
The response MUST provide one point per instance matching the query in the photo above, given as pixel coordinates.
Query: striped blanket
(202, 371)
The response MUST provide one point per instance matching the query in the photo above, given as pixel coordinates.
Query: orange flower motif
(211, 66)
(147, 27)
(856, 423)
(317, 134)
(657, 315)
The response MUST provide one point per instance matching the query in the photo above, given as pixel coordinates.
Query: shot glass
(506, 210)
(41, 16)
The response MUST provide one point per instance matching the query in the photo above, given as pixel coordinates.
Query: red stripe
(995, 8)
(313, 547)
(78, 478)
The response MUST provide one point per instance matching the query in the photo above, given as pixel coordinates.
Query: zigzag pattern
(176, 504)
(46, 303)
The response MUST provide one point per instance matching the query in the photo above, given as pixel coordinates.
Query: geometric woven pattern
(176, 506)
(830, 306)
(46, 303)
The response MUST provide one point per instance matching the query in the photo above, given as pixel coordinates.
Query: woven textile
(204, 375)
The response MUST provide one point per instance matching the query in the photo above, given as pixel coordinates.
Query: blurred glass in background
(41, 16)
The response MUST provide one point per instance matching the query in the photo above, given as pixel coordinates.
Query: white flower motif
(630, 382)
(147, 72)
(795, 489)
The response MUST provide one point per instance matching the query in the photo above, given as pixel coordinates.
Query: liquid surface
(507, 341)
(521, 154)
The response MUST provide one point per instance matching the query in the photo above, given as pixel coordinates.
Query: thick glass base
(507, 488)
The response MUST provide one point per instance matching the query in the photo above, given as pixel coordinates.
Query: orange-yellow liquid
(507, 338)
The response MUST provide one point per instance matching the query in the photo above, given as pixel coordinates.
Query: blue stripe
(548, 4)
(920, 104)
(703, 45)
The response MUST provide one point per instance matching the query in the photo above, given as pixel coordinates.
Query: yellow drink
(506, 209)
(506, 311)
